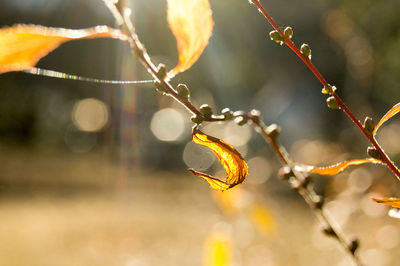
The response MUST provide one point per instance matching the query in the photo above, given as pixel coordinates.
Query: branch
(341, 105)
(303, 185)
(298, 181)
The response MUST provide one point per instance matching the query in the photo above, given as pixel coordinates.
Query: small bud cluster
(276, 37)
(161, 72)
(285, 173)
(206, 110)
(354, 244)
(273, 131)
(305, 50)
(319, 202)
(369, 125)
(241, 120)
(328, 89)
(373, 153)
(328, 230)
(332, 103)
(183, 90)
(198, 119)
(255, 115)
(288, 32)
(227, 113)
(159, 87)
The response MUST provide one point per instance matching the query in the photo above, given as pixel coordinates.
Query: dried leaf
(394, 202)
(191, 23)
(394, 110)
(336, 168)
(22, 46)
(233, 163)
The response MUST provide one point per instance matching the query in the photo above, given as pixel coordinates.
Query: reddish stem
(384, 158)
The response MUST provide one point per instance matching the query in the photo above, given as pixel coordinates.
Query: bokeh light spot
(372, 208)
(376, 257)
(260, 170)
(360, 180)
(237, 135)
(388, 236)
(90, 115)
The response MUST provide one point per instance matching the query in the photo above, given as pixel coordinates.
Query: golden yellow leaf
(336, 168)
(394, 202)
(233, 163)
(191, 23)
(22, 46)
(394, 110)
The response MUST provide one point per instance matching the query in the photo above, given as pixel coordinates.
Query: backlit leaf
(22, 46)
(336, 168)
(394, 110)
(233, 163)
(191, 23)
(394, 202)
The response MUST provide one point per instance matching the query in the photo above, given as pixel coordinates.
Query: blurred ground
(87, 212)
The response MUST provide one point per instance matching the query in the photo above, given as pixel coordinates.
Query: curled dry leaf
(393, 111)
(394, 202)
(336, 168)
(22, 46)
(233, 163)
(191, 23)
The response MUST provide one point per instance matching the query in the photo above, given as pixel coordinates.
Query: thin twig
(383, 156)
(298, 180)
(139, 51)
(303, 185)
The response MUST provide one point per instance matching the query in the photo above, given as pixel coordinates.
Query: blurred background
(95, 174)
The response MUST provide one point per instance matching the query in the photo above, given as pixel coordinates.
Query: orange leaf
(233, 163)
(22, 46)
(394, 110)
(394, 202)
(336, 168)
(191, 23)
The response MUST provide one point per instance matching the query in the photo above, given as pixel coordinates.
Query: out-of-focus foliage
(218, 249)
